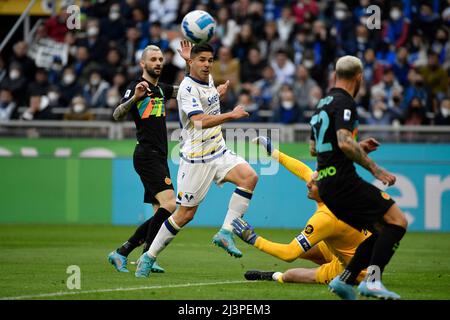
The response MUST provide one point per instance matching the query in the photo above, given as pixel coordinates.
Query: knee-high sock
(238, 205)
(159, 217)
(360, 260)
(135, 240)
(385, 246)
(166, 233)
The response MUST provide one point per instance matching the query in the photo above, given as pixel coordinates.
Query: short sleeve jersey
(149, 115)
(196, 97)
(336, 111)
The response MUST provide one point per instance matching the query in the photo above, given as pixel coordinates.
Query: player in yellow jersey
(325, 240)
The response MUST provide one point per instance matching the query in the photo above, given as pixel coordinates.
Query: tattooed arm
(354, 152)
(121, 111)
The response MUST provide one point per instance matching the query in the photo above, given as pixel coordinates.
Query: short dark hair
(203, 47)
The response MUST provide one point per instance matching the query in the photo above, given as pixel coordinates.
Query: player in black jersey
(145, 99)
(348, 196)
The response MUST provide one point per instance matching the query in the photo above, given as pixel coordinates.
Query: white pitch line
(70, 293)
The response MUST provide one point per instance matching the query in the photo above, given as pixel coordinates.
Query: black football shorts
(356, 202)
(154, 173)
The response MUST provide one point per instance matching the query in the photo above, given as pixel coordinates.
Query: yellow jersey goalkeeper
(326, 240)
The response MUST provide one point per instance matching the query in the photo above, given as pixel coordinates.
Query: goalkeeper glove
(244, 231)
(265, 142)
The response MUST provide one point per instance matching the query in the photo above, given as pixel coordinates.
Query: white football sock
(238, 205)
(166, 233)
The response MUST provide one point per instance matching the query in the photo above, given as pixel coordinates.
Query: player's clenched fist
(140, 90)
(239, 112)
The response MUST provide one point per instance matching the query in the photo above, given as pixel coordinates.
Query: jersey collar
(341, 90)
(198, 81)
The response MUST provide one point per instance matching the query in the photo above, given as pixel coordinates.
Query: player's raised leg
(245, 179)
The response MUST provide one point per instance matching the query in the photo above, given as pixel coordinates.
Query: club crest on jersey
(188, 197)
(385, 195)
(309, 229)
(168, 181)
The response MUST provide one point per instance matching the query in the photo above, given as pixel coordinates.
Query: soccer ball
(198, 26)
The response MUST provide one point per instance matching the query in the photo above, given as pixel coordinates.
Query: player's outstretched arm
(185, 53)
(286, 252)
(295, 166)
(354, 152)
(205, 121)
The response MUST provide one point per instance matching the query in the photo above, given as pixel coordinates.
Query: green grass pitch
(34, 260)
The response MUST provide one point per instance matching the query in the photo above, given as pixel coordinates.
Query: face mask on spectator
(69, 78)
(314, 101)
(288, 105)
(73, 50)
(78, 108)
(95, 81)
(92, 32)
(395, 14)
(308, 64)
(14, 74)
(339, 14)
(53, 96)
(112, 101)
(445, 112)
(114, 15)
(378, 114)
(361, 39)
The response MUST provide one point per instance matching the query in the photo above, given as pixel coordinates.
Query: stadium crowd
(278, 56)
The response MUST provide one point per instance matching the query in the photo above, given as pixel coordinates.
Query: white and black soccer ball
(198, 26)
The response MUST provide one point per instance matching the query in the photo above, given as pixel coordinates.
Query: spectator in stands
(286, 23)
(38, 109)
(373, 71)
(227, 29)
(435, 76)
(164, 12)
(396, 29)
(387, 88)
(401, 66)
(79, 110)
(415, 89)
(94, 92)
(443, 115)
(416, 113)
(283, 66)
(16, 82)
(170, 70)
(417, 50)
(287, 111)
(113, 26)
(256, 16)
(302, 87)
(130, 45)
(68, 86)
(251, 68)
(299, 45)
(315, 94)
(154, 36)
(345, 30)
(54, 96)
(112, 65)
(20, 57)
(441, 45)
(245, 40)
(271, 43)
(140, 20)
(40, 85)
(305, 10)
(120, 82)
(427, 20)
(57, 25)
(245, 100)
(7, 104)
(96, 45)
(267, 88)
(226, 68)
(379, 114)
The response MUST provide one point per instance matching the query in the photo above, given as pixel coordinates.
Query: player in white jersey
(204, 159)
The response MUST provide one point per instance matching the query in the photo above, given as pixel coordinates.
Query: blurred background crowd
(278, 56)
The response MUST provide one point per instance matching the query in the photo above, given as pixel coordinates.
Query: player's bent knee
(396, 216)
(169, 205)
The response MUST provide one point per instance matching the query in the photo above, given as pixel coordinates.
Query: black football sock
(136, 239)
(385, 246)
(360, 260)
(159, 217)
